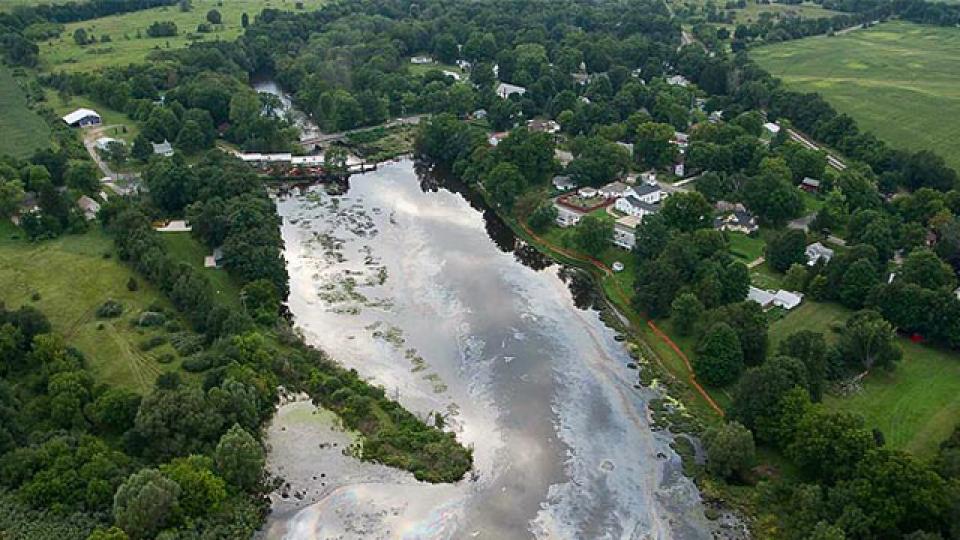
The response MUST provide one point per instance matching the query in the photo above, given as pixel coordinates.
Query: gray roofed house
(817, 251)
(632, 206)
(163, 149)
(563, 183)
(736, 221)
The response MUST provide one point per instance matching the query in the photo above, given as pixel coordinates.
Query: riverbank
(685, 409)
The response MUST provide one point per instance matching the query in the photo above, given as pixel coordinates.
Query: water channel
(425, 292)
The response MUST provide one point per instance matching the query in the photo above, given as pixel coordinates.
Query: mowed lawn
(184, 247)
(916, 406)
(126, 48)
(899, 80)
(23, 130)
(72, 277)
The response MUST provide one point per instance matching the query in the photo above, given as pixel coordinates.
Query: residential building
(633, 206)
(588, 192)
(480, 114)
(421, 60)
(567, 216)
(649, 193)
(678, 80)
(772, 128)
(89, 207)
(505, 90)
(103, 143)
(543, 126)
(816, 252)
(164, 149)
(679, 169)
(456, 76)
(563, 157)
(83, 118)
(681, 139)
(625, 232)
(495, 138)
(615, 190)
(715, 117)
(736, 221)
(810, 185)
(563, 183)
(770, 298)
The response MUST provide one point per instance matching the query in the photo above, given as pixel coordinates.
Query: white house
(633, 206)
(769, 298)
(678, 80)
(164, 149)
(480, 114)
(817, 251)
(456, 76)
(588, 192)
(83, 118)
(543, 126)
(625, 232)
(681, 139)
(715, 117)
(648, 193)
(421, 60)
(679, 169)
(563, 183)
(772, 128)
(103, 143)
(566, 216)
(615, 190)
(506, 90)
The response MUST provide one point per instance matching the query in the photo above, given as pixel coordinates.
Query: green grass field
(125, 47)
(184, 247)
(898, 80)
(916, 406)
(73, 278)
(23, 130)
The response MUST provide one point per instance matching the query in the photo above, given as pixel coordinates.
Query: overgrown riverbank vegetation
(179, 456)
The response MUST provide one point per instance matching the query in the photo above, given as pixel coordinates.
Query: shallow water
(422, 292)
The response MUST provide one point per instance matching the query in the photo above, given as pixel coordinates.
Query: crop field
(23, 130)
(916, 406)
(899, 80)
(68, 279)
(129, 42)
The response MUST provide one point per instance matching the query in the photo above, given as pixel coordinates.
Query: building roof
(507, 89)
(615, 187)
(760, 296)
(637, 203)
(563, 182)
(812, 182)
(628, 222)
(817, 250)
(771, 127)
(103, 142)
(645, 189)
(78, 115)
(163, 148)
(88, 205)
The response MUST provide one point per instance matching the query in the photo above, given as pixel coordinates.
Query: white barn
(83, 118)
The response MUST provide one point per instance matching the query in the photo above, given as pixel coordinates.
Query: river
(422, 291)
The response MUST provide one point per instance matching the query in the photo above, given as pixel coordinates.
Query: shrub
(110, 309)
(151, 318)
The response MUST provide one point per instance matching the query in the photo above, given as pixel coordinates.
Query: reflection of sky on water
(562, 443)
